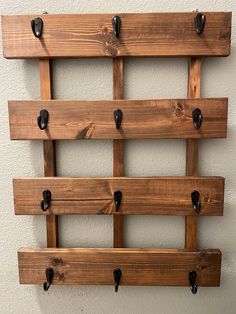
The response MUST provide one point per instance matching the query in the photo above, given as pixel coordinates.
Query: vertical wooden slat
(194, 74)
(48, 149)
(118, 145)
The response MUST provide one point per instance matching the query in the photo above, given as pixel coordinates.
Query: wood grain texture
(194, 91)
(161, 267)
(92, 35)
(152, 196)
(48, 149)
(168, 118)
(118, 147)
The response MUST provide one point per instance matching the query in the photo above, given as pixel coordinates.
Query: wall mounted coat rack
(45, 37)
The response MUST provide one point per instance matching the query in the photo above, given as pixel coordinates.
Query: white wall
(92, 79)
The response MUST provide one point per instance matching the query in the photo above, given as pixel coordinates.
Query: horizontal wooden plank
(143, 196)
(168, 267)
(168, 118)
(92, 35)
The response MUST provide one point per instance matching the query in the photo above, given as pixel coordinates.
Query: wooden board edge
(123, 178)
(29, 101)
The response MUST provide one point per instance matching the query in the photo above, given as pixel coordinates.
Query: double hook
(45, 203)
(197, 118)
(195, 196)
(37, 27)
(43, 119)
(117, 278)
(116, 24)
(117, 118)
(192, 277)
(49, 278)
(199, 22)
(117, 199)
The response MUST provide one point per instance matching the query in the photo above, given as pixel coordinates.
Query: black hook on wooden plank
(116, 23)
(117, 277)
(197, 118)
(117, 199)
(49, 277)
(195, 196)
(199, 22)
(45, 203)
(37, 27)
(192, 277)
(43, 119)
(118, 118)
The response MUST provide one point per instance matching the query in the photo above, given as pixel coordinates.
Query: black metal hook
(117, 199)
(37, 27)
(49, 277)
(45, 203)
(195, 195)
(116, 23)
(192, 276)
(118, 118)
(43, 119)
(199, 21)
(117, 277)
(197, 118)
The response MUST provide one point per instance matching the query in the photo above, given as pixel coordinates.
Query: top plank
(92, 35)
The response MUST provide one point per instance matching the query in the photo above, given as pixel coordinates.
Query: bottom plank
(95, 266)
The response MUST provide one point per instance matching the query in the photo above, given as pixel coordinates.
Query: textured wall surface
(92, 79)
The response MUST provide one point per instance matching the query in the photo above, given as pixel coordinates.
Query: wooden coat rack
(46, 37)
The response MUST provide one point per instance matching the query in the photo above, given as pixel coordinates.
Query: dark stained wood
(142, 196)
(152, 267)
(118, 78)
(194, 88)
(48, 149)
(118, 158)
(167, 118)
(91, 35)
(118, 148)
